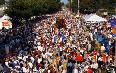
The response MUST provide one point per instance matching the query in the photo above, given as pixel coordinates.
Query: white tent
(95, 19)
(1, 25)
(85, 17)
(7, 24)
(5, 17)
(4, 22)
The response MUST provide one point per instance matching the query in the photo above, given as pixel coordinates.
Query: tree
(2, 2)
(112, 4)
(20, 10)
(93, 5)
(74, 5)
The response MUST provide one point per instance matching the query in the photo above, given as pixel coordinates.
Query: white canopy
(7, 24)
(93, 18)
(85, 17)
(1, 25)
(4, 22)
(5, 17)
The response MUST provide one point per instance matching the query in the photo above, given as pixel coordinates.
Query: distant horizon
(64, 1)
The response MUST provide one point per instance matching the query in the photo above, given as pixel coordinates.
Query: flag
(113, 22)
(113, 26)
(102, 39)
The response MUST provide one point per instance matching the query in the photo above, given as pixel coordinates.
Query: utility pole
(70, 5)
(78, 6)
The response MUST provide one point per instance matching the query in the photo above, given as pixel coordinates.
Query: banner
(5, 24)
(102, 39)
(113, 22)
(113, 26)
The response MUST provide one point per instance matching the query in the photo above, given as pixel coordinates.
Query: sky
(65, 1)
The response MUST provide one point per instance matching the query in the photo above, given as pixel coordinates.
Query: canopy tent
(1, 25)
(5, 17)
(7, 24)
(93, 18)
(85, 17)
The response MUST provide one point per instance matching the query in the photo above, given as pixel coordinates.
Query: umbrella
(79, 58)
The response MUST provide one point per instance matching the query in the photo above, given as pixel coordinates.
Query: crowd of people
(46, 49)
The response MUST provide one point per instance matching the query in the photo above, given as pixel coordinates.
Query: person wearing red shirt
(89, 70)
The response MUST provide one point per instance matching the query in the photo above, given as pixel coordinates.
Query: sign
(113, 26)
(5, 24)
(113, 22)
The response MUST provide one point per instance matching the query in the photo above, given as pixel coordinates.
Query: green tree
(93, 4)
(74, 5)
(83, 4)
(112, 4)
(20, 10)
(2, 2)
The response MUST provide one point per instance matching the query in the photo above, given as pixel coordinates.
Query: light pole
(78, 6)
(71, 5)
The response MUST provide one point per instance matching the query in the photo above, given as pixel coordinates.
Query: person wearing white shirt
(25, 70)
(64, 71)
(32, 59)
(48, 71)
(95, 65)
(44, 55)
(40, 48)
(110, 60)
(75, 70)
(71, 38)
(86, 67)
(35, 70)
(30, 64)
(100, 59)
(91, 36)
(25, 57)
(7, 63)
(110, 36)
(102, 48)
(82, 51)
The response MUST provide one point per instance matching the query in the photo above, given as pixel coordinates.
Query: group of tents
(92, 18)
